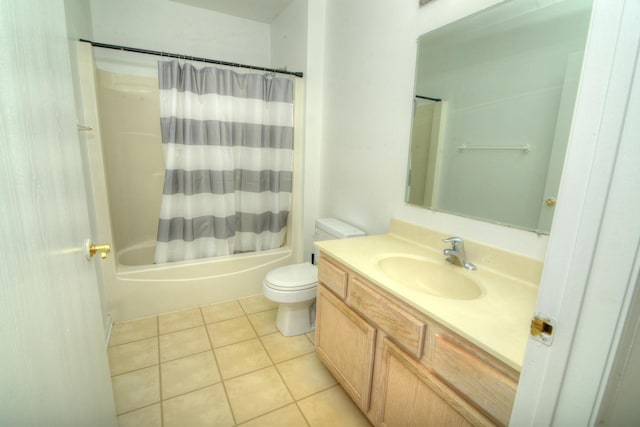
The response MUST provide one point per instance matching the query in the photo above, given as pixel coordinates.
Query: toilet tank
(332, 228)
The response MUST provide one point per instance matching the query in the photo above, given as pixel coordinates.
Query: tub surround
(134, 287)
(497, 322)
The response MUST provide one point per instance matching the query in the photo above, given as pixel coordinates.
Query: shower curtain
(228, 148)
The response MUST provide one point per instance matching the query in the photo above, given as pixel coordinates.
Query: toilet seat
(291, 278)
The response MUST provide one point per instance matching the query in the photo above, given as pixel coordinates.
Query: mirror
(494, 98)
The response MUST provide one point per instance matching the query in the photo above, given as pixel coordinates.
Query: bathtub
(147, 289)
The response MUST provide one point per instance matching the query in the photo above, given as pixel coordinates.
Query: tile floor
(222, 365)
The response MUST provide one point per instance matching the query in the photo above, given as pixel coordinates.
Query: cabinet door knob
(550, 201)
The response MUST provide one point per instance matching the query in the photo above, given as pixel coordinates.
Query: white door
(592, 263)
(53, 361)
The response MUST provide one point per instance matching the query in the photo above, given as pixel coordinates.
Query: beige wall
(129, 109)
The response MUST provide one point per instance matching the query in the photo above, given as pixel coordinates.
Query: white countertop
(498, 321)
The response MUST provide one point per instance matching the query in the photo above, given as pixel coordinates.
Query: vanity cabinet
(400, 366)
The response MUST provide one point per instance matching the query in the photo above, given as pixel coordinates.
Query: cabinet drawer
(487, 387)
(333, 277)
(405, 329)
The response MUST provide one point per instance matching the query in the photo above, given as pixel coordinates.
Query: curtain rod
(429, 98)
(190, 58)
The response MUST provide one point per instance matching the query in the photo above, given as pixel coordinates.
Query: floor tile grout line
(134, 340)
(300, 356)
(290, 358)
(191, 391)
(184, 357)
(236, 342)
(310, 340)
(257, 337)
(140, 408)
(304, 417)
(182, 330)
(254, 326)
(273, 365)
(285, 383)
(253, 371)
(297, 402)
(232, 343)
(233, 316)
(179, 316)
(225, 319)
(272, 411)
(131, 342)
(140, 368)
(259, 311)
(315, 393)
(135, 370)
(224, 387)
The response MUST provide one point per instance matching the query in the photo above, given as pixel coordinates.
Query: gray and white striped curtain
(228, 146)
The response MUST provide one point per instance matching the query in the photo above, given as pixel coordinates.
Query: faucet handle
(456, 242)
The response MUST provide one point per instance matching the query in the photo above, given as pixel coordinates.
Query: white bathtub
(148, 289)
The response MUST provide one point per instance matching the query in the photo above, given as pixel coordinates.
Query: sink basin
(424, 275)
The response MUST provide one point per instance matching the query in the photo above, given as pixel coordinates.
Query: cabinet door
(345, 343)
(414, 397)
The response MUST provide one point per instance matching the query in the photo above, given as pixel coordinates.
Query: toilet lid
(293, 277)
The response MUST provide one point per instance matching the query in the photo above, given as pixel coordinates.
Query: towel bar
(526, 148)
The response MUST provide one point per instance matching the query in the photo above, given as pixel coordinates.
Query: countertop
(498, 321)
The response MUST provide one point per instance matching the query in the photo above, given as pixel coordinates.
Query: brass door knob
(550, 201)
(90, 249)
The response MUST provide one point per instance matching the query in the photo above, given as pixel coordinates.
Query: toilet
(294, 287)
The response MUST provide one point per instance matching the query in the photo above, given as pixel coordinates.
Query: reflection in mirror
(494, 101)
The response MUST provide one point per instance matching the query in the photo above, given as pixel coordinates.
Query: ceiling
(255, 10)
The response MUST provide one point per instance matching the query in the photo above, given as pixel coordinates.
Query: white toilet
(294, 286)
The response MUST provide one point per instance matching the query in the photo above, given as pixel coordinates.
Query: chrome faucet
(456, 255)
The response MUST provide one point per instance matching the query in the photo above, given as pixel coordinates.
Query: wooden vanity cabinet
(401, 367)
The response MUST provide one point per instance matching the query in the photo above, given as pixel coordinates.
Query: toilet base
(296, 318)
